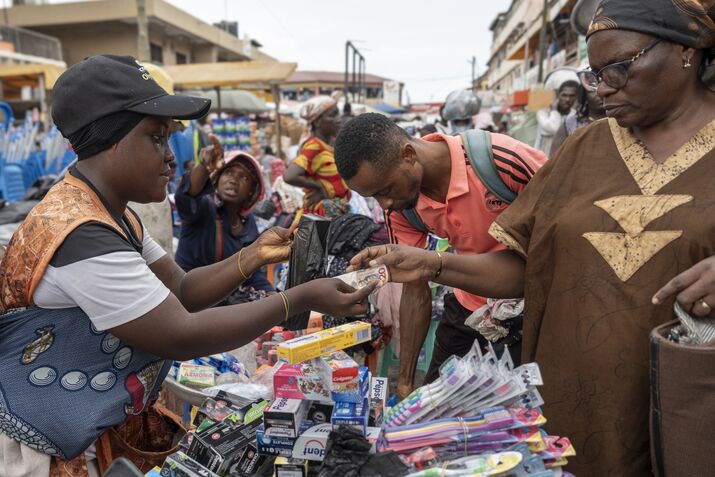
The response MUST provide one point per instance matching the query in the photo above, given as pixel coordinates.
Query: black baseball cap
(105, 84)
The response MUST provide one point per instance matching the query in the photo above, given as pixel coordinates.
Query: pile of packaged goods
(480, 417)
(268, 343)
(318, 388)
(481, 413)
(223, 442)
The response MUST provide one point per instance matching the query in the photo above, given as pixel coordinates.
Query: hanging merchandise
(479, 404)
(306, 259)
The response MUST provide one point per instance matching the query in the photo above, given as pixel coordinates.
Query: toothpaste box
(286, 467)
(300, 381)
(323, 342)
(344, 336)
(302, 348)
(274, 445)
(284, 416)
(351, 414)
(340, 373)
(378, 400)
(347, 384)
(310, 445)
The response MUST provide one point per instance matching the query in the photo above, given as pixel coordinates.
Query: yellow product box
(323, 342)
(344, 336)
(299, 349)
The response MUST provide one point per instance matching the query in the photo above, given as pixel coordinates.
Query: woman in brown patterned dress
(625, 206)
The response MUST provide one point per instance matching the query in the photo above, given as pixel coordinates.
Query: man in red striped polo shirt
(432, 176)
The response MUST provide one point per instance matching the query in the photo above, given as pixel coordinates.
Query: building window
(157, 53)
(181, 59)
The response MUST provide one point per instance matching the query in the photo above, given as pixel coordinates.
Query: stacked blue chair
(13, 182)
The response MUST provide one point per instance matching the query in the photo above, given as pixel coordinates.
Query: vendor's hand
(206, 157)
(694, 289)
(334, 297)
(315, 196)
(274, 245)
(406, 264)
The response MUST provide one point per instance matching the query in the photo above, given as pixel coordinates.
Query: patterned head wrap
(686, 22)
(316, 106)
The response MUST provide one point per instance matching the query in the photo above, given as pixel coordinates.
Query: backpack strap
(478, 146)
(415, 220)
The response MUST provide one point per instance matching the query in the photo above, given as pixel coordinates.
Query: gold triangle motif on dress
(634, 212)
(625, 254)
(648, 174)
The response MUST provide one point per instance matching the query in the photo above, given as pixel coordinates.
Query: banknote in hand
(362, 278)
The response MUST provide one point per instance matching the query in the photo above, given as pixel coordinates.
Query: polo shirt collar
(458, 180)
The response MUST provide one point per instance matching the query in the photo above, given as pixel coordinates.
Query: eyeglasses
(614, 75)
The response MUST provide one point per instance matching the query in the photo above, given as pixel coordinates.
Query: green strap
(478, 146)
(415, 220)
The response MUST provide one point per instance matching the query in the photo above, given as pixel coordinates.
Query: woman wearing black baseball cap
(93, 306)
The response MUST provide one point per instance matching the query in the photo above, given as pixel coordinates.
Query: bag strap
(478, 146)
(218, 246)
(415, 220)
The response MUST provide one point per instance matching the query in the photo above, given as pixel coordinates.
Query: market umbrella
(389, 109)
(234, 101)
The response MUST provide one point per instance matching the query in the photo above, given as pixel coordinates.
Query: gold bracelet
(245, 277)
(439, 270)
(286, 304)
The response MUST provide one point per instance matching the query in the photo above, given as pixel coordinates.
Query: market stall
(27, 86)
(216, 77)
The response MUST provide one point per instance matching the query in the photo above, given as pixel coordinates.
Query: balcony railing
(32, 43)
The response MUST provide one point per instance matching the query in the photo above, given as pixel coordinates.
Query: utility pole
(143, 50)
(358, 77)
(542, 41)
(474, 73)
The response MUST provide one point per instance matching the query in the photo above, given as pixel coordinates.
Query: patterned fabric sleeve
(307, 153)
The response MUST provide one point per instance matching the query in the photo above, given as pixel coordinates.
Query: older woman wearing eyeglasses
(625, 206)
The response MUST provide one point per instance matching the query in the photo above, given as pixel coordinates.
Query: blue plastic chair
(13, 182)
(34, 168)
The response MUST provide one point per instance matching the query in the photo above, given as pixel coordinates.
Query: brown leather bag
(682, 406)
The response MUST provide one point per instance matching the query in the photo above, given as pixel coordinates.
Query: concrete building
(514, 60)
(111, 26)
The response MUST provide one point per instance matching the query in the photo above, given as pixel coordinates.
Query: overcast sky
(427, 44)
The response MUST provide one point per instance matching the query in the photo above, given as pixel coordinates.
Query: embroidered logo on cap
(145, 73)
